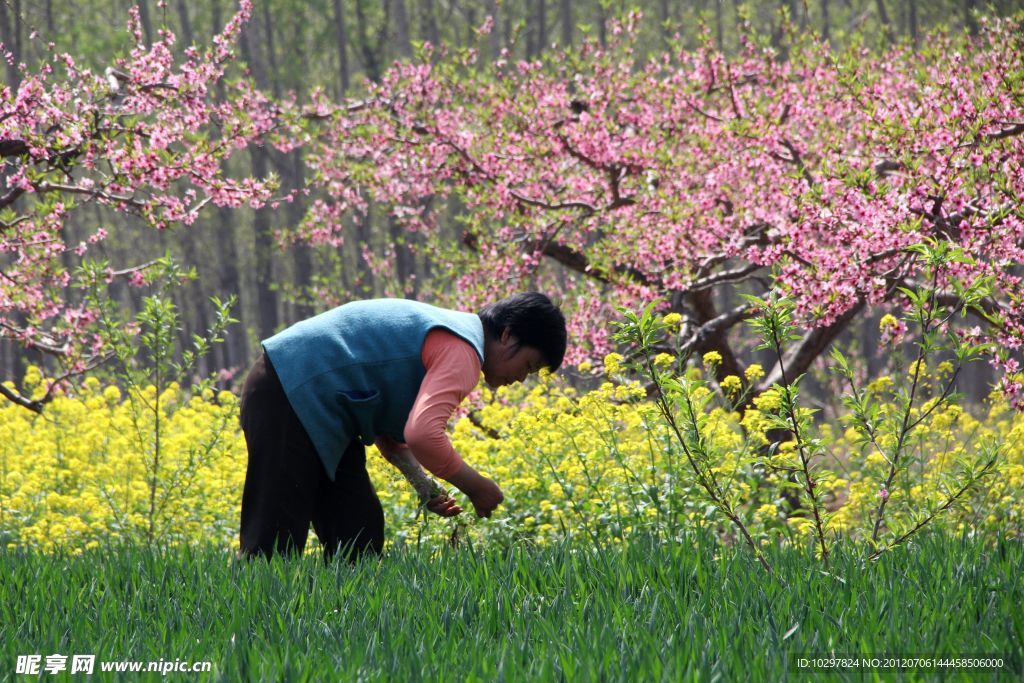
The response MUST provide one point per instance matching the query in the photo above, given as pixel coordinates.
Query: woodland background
(341, 46)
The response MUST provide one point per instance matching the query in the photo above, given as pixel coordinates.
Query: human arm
(430, 492)
(452, 371)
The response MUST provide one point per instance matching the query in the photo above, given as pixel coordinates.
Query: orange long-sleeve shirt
(453, 370)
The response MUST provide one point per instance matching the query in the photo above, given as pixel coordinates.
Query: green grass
(635, 613)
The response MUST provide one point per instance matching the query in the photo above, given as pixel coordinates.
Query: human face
(506, 362)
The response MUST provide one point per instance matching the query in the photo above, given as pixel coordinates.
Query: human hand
(483, 493)
(444, 505)
(485, 496)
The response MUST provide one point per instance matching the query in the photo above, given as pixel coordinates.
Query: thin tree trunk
(9, 37)
(147, 24)
(542, 26)
(235, 350)
(370, 53)
(826, 28)
(402, 35)
(719, 25)
(494, 39)
(567, 27)
(303, 253)
(664, 15)
(186, 23)
(404, 263)
(972, 24)
(263, 247)
(341, 33)
(507, 24)
(216, 19)
(364, 232)
(428, 22)
(471, 25)
(263, 238)
(273, 75)
(912, 21)
(883, 18)
(193, 304)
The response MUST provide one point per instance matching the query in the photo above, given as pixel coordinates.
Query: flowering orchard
(148, 137)
(696, 176)
(699, 188)
(600, 466)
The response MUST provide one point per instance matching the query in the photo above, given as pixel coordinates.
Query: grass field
(639, 612)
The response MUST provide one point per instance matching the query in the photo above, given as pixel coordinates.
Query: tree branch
(713, 339)
(18, 399)
(812, 345)
(726, 276)
(714, 327)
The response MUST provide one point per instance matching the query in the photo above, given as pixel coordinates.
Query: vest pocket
(358, 413)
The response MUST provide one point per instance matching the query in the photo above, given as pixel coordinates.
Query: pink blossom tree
(696, 176)
(147, 137)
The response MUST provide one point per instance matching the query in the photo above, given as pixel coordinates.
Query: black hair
(533, 320)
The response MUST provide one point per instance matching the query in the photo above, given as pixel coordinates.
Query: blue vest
(354, 371)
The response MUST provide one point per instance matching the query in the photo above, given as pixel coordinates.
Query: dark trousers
(286, 485)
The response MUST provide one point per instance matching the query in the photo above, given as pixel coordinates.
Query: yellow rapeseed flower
(672, 319)
(613, 363)
(664, 360)
(712, 358)
(888, 321)
(732, 384)
(753, 372)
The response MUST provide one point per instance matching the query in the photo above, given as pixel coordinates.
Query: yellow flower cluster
(888, 321)
(597, 464)
(94, 467)
(613, 363)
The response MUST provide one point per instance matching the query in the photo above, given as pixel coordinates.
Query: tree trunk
(272, 72)
(186, 24)
(507, 24)
(147, 24)
(402, 36)
(341, 34)
(719, 25)
(263, 238)
(883, 18)
(969, 21)
(9, 35)
(263, 248)
(428, 23)
(664, 16)
(191, 299)
(826, 28)
(370, 52)
(912, 21)
(471, 25)
(364, 283)
(405, 262)
(235, 350)
(704, 311)
(216, 19)
(494, 39)
(542, 26)
(567, 27)
(303, 252)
